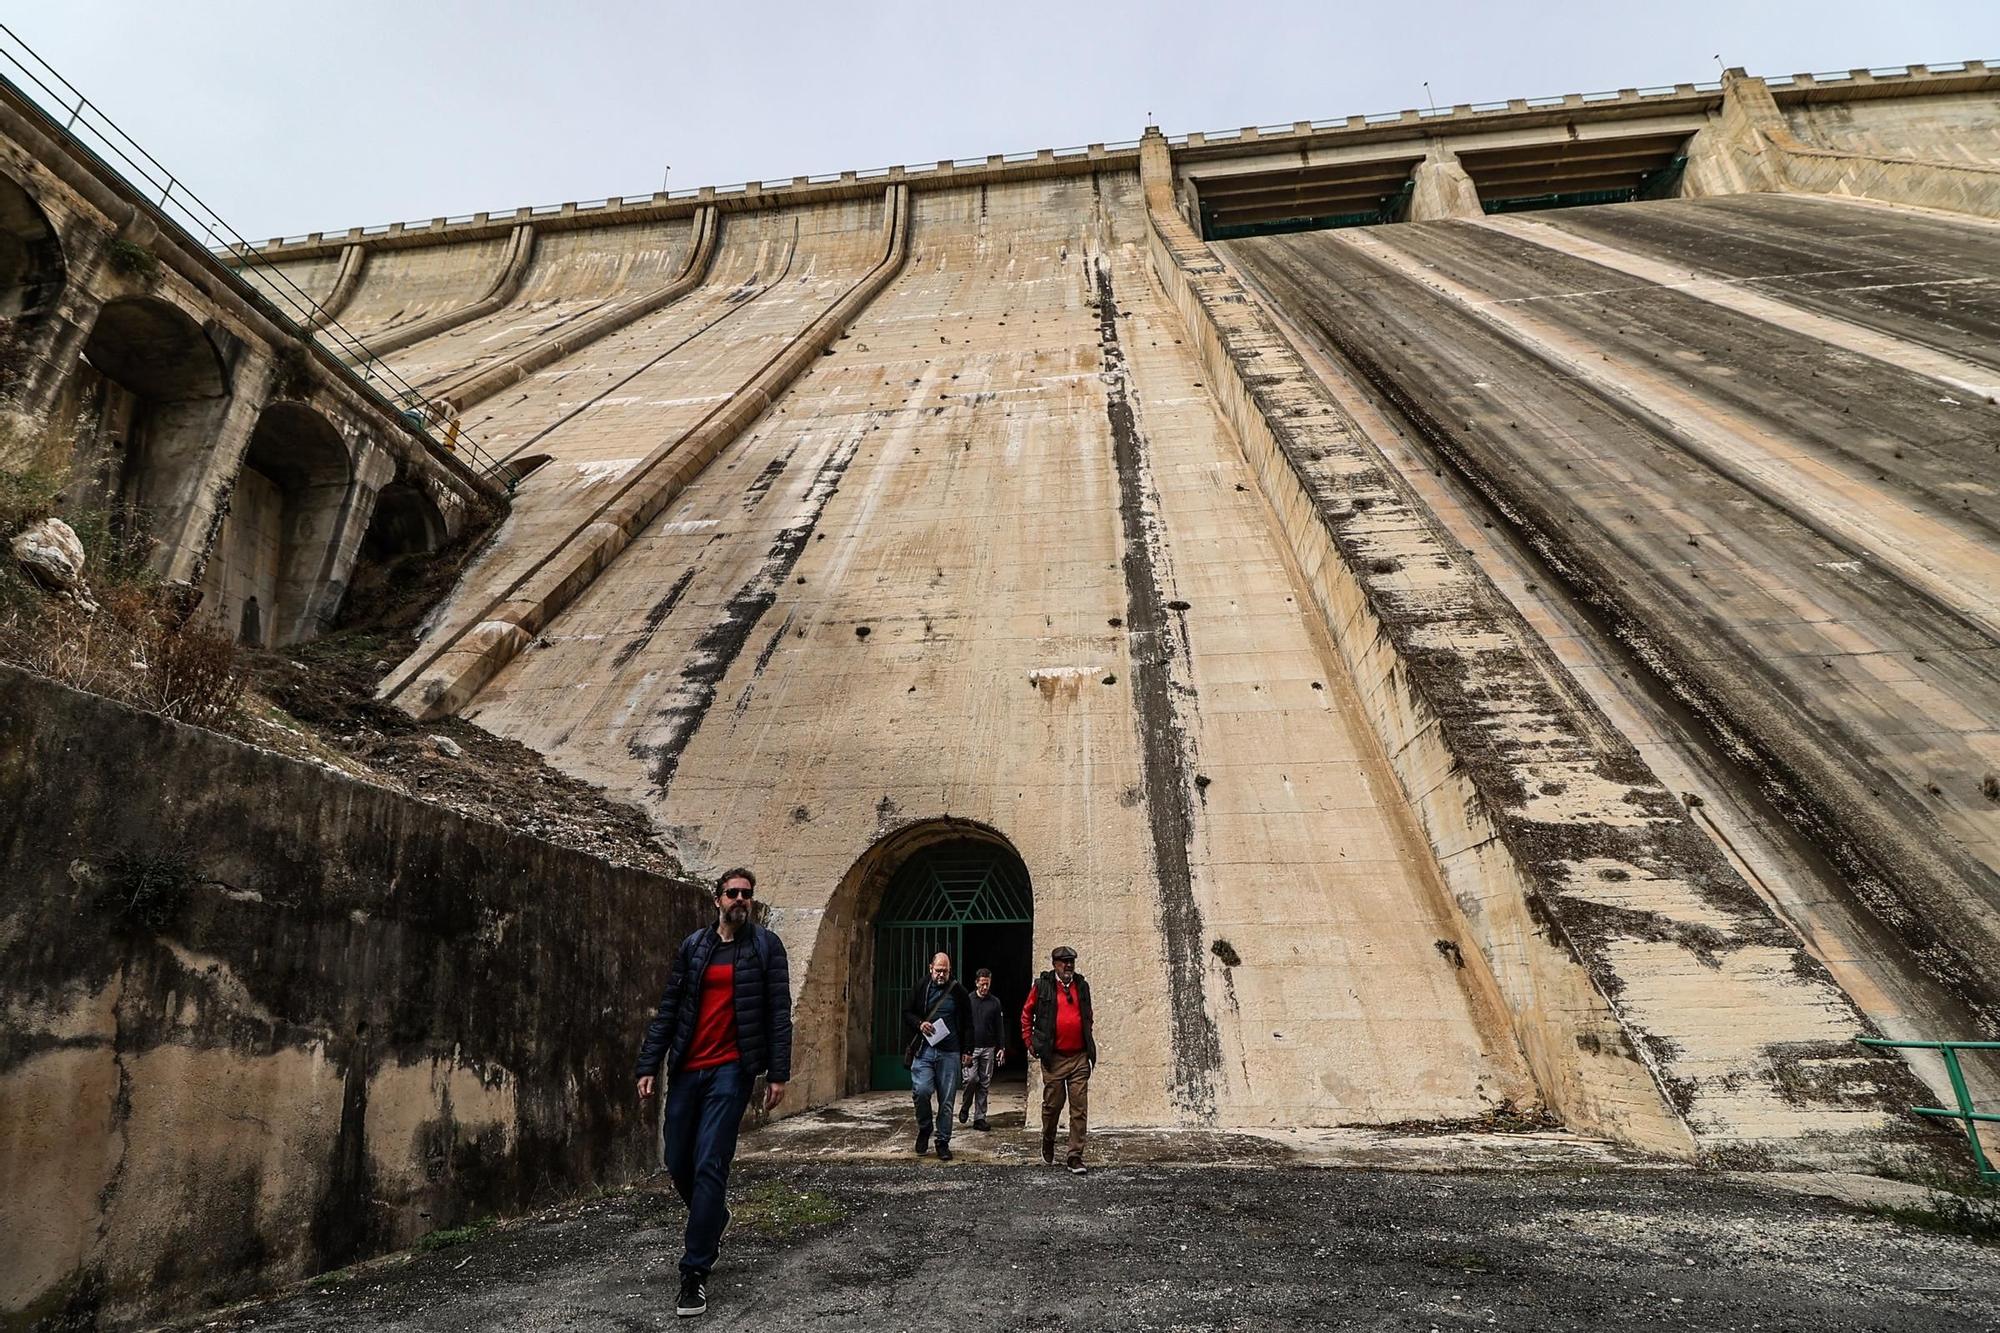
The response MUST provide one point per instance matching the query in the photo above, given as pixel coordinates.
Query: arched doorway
(967, 897)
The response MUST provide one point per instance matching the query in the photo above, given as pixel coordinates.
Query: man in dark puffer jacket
(725, 1018)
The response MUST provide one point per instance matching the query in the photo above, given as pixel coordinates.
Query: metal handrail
(179, 208)
(1965, 1115)
(1217, 136)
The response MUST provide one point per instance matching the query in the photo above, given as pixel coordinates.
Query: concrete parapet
(1658, 1000)
(445, 677)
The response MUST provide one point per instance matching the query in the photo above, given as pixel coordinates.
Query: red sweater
(1069, 1020)
(714, 1043)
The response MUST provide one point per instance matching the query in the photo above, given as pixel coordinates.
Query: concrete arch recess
(32, 269)
(406, 521)
(268, 570)
(144, 403)
(836, 1008)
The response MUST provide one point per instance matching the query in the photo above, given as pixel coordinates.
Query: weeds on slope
(133, 639)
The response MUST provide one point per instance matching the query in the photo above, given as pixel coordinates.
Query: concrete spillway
(1010, 511)
(572, 277)
(949, 481)
(1797, 534)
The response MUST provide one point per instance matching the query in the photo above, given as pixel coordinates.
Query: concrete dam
(1455, 616)
(1576, 691)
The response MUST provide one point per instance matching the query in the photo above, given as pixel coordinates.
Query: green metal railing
(1965, 1115)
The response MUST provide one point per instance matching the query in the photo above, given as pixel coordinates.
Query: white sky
(289, 118)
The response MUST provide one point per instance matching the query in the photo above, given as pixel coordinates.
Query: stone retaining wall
(260, 1020)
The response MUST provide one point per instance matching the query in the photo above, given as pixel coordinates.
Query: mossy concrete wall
(258, 1020)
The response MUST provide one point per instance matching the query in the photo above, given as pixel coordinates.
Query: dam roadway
(1798, 538)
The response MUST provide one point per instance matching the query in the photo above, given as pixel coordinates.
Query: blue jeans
(935, 1071)
(704, 1111)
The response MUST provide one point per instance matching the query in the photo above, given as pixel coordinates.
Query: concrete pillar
(1442, 189)
(1735, 152)
(1156, 163)
(194, 452)
(54, 351)
(348, 521)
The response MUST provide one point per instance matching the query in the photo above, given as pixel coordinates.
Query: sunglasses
(739, 893)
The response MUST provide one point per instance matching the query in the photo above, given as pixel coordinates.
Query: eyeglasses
(745, 894)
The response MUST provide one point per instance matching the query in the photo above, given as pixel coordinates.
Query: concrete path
(930, 1246)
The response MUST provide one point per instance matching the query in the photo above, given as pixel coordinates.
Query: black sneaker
(981, 1126)
(963, 1112)
(923, 1141)
(1076, 1166)
(694, 1296)
(944, 1151)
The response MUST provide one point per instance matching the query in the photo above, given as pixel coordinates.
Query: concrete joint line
(1958, 574)
(482, 384)
(513, 268)
(444, 680)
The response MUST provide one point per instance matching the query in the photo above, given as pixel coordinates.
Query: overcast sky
(289, 118)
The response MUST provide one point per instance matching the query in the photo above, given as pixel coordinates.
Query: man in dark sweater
(1059, 1028)
(726, 1017)
(986, 1048)
(937, 1005)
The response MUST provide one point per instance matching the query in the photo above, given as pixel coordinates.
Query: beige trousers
(1066, 1074)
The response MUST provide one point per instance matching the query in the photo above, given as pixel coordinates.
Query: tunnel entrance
(967, 898)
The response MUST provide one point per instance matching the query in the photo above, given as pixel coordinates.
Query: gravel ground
(930, 1246)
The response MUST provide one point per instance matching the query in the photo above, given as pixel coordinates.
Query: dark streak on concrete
(763, 660)
(717, 650)
(754, 493)
(1163, 741)
(656, 615)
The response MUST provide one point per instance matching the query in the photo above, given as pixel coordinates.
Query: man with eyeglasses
(725, 1018)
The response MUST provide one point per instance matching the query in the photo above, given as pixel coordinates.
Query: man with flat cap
(1057, 1028)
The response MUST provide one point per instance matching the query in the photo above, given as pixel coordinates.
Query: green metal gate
(935, 895)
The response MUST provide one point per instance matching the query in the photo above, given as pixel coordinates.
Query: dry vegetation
(144, 643)
(139, 644)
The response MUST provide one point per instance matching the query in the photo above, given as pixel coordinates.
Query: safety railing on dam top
(1070, 154)
(173, 206)
(1970, 1119)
